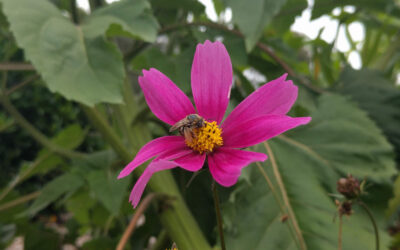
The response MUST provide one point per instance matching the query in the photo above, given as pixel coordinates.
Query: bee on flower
(203, 135)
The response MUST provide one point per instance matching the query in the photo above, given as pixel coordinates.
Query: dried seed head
(344, 208)
(349, 187)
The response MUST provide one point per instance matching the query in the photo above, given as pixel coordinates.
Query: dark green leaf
(108, 189)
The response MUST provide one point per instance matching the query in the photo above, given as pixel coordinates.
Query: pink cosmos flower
(261, 116)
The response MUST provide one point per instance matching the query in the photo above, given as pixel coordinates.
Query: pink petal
(192, 162)
(164, 98)
(141, 183)
(275, 98)
(153, 148)
(226, 164)
(211, 80)
(262, 128)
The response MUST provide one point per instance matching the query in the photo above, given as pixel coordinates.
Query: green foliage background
(73, 115)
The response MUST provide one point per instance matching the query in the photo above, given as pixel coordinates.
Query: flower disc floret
(206, 138)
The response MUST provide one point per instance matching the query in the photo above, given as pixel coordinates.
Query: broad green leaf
(84, 69)
(128, 17)
(108, 189)
(340, 139)
(67, 183)
(376, 95)
(285, 18)
(252, 18)
(80, 205)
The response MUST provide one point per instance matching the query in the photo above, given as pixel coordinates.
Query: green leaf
(376, 95)
(84, 69)
(340, 139)
(130, 17)
(108, 189)
(67, 183)
(394, 203)
(79, 205)
(252, 18)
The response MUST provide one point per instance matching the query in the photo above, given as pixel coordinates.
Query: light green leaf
(128, 17)
(340, 139)
(108, 189)
(253, 17)
(67, 183)
(85, 69)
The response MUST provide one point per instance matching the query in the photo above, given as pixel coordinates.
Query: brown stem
(285, 197)
(19, 200)
(132, 224)
(22, 84)
(218, 214)
(9, 66)
(278, 200)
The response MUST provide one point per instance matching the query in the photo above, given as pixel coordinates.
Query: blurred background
(72, 115)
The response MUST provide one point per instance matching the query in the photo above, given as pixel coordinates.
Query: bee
(186, 126)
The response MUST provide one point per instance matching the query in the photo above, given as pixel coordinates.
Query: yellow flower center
(206, 138)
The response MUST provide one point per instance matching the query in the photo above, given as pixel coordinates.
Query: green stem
(371, 217)
(74, 11)
(20, 200)
(36, 134)
(218, 214)
(176, 219)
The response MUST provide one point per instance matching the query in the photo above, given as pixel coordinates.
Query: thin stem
(218, 214)
(9, 66)
(285, 197)
(363, 205)
(340, 232)
(131, 227)
(20, 200)
(278, 200)
(21, 177)
(22, 84)
(36, 134)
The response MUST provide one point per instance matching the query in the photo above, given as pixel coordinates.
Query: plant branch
(22, 84)
(218, 214)
(260, 45)
(9, 66)
(371, 217)
(285, 197)
(20, 200)
(132, 224)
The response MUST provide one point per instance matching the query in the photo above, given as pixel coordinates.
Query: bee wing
(177, 125)
(187, 133)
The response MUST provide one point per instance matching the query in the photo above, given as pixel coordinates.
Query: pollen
(206, 138)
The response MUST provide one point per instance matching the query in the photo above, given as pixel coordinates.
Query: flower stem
(363, 205)
(218, 214)
(340, 232)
